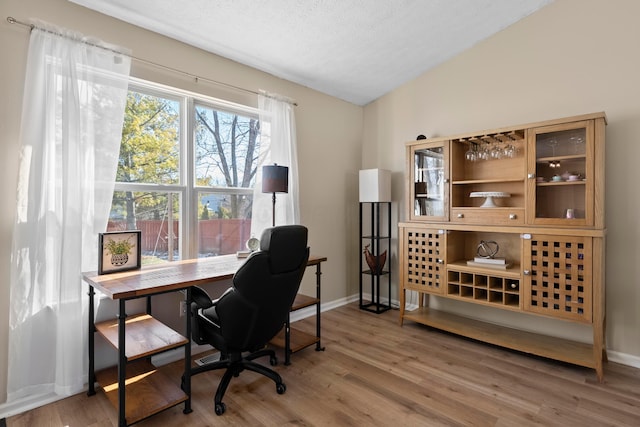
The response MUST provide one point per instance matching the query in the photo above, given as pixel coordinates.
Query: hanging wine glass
(509, 151)
(578, 143)
(483, 152)
(553, 143)
(496, 149)
(471, 155)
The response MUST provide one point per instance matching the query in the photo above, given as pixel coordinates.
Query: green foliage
(149, 153)
(149, 147)
(224, 213)
(205, 213)
(119, 247)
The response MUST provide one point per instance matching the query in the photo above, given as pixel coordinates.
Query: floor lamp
(275, 179)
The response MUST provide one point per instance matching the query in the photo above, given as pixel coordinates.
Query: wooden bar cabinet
(534, 193)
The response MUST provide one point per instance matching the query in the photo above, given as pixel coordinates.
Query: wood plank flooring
(376, 373)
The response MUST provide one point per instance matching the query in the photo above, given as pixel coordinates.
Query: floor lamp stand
(273, 211)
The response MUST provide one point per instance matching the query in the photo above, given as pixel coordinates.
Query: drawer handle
(531, 175)
(460, 215)
(526, 272)
(513, 216)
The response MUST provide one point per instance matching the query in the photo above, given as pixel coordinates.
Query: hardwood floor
(376, 373)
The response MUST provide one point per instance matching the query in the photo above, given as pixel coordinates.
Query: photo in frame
(119, 251)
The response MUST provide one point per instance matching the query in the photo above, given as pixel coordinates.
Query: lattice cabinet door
(423, 262)
(558, 276)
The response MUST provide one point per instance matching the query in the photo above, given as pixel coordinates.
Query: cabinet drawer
(497, 216)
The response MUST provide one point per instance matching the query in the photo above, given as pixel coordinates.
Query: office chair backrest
(264, 289)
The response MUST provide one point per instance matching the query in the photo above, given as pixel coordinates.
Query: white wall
(329, 136)
(571, 57)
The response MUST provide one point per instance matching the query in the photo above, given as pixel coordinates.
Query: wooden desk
(138, 337)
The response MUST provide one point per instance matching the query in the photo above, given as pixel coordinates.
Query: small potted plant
(119, 250)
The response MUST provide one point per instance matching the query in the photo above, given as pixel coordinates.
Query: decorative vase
(375, 263)
(119, 259)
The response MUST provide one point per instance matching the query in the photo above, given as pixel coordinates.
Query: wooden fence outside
(216, 236)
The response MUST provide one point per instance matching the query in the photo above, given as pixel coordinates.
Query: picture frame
(119, 251)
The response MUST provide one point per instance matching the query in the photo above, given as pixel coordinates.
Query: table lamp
(275, 179)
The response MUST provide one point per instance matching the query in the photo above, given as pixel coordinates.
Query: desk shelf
(149, 390)
(145, 336)
(291, 339)
(298, 339)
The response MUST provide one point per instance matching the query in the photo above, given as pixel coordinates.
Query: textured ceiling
(356, 50)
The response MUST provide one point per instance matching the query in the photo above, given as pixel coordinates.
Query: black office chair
(254, 309)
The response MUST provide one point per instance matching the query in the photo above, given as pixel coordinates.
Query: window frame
(186, 188)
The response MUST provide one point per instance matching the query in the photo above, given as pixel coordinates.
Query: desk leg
(287, 340)
(318, 282)
(122, 361)
(187, 356)
(91, 377)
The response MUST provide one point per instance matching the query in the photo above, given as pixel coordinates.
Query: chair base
(234, 363)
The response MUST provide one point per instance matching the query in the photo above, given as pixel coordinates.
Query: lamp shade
(275, 179)
(375, 185)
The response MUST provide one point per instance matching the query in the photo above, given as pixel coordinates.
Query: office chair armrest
(215, 301)
(200, 297)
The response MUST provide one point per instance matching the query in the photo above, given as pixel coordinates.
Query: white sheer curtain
(73, 109)
(278, 135)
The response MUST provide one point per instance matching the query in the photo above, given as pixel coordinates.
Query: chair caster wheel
(220, 408)
(273, 360)
(281, 388)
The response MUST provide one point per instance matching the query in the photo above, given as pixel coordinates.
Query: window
(186, 172)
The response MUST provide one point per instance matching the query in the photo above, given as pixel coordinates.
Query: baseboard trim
(27, 403)
(623, 359)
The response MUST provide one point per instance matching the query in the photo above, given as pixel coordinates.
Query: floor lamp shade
(275, 179)
(375, 185)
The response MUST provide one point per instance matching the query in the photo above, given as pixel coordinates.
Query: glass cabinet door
(561, 175)
(429, 192)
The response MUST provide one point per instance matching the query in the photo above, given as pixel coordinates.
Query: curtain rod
(197, 79)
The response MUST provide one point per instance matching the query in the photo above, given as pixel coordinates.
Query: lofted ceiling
(355, 50)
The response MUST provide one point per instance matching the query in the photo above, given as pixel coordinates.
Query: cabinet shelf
(560, 183)
(542, 345)
(512, 272)
(428, 197)
(560, 158)
(486, 181)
